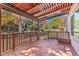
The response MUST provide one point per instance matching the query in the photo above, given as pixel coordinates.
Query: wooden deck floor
(43, 48)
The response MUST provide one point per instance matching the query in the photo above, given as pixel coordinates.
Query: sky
(77, 16)
(50, 19)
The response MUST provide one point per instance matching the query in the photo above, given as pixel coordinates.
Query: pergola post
(65, 23)
(0, 30)
(69, 24)
(20, 25)
(72, 24)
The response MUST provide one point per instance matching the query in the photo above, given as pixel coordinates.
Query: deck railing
(12, 40)
(54, 35)
(76, 34)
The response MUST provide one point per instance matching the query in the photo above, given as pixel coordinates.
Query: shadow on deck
(43, 48)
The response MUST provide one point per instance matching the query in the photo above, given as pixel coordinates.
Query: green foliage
(44, 26)
(30, 26)
(56, 23)
(8, 23)
(76, 22)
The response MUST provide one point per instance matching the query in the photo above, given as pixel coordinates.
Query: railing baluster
(0, 44)
(6, 44)
(48, 35)
(30, 36)
(21, 37)
(68, 35)
(78, 35)
(10, 41)
(3, 43)
(17, 36)
(18, 39)
(57, 35)
(37, 35)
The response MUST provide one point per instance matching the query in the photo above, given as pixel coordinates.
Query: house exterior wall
(74, 40)
(75, 43)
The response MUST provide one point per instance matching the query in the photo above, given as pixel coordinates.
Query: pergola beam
(18, 11)
(18, 4)
(45, 18)
(54, 16)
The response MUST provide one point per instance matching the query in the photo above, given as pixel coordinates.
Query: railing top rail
(17, 33)
(33, 32)
(76, 32)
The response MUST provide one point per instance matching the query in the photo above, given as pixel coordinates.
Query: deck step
(67, 41)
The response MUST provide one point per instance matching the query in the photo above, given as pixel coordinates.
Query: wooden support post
(0, 30)
(13, 41)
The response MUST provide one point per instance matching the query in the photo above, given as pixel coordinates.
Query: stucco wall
(75, 43)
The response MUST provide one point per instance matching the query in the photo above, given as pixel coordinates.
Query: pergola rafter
(59, 12)
(51, 10)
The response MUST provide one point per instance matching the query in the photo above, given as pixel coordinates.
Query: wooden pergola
(36, 11)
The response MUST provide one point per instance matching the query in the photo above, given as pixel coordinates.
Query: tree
(76, 22)
(54, 23)
(30, 25)
(9, 23)
(57, 23)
